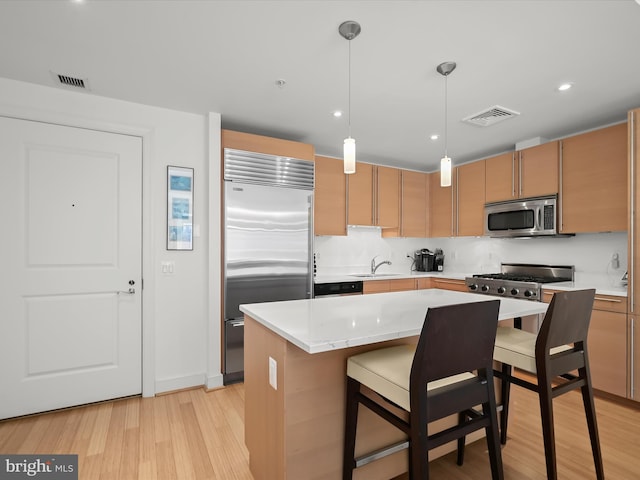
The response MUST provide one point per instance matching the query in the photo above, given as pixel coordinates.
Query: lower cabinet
(634, 357)
(607, 343)
(449, 284)
(401, 284)
(607, 352)
(381, 286)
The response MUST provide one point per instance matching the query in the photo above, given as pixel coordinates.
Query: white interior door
(70, 296)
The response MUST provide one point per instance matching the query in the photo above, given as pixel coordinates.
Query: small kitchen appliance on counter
(427, 261)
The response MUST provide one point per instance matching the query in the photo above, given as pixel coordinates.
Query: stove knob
(485, 288)
(514, 291)
(501, 290)
(528, 293)
(473, 287)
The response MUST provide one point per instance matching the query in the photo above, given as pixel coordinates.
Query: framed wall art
(179, 208)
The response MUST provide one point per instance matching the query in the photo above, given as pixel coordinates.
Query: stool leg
(418, 438)
(548, 434)
(493, 434)
(350, 426)
(590, 412)
(462, 417)
(505, 390)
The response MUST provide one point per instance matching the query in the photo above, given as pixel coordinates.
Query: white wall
(589, 253)
(179, 338)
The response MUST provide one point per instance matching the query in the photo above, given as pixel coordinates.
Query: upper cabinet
(458, 210)
(470, 199)
(330, 205)
(373, 196)
(414, 202)
(440, 208)
(539, 167)
(593, 192)
(272, 146)
(531, 172)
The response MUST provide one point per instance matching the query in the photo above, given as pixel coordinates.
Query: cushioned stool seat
(517, 348)
(387, 370)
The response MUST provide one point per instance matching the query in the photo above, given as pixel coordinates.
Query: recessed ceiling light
(435, 136)
(565, 86)
(337, 114)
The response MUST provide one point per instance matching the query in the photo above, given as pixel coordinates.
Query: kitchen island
(295, 367)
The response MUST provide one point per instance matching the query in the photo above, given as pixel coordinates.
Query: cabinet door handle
(612, 300)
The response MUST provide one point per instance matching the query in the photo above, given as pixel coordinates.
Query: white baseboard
(179, 383)
(214, 381)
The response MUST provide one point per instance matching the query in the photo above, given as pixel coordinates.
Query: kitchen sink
(374, 275)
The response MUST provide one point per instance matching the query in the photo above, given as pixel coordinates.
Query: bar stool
(555, 352)
(430, 381)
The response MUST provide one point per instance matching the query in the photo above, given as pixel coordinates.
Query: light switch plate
(273, 373)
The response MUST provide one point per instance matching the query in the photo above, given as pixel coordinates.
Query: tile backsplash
(591, 254)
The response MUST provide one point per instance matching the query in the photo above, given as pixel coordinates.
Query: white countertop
(603, 286)
(329, 323)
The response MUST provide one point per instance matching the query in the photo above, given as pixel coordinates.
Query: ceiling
(228, 56)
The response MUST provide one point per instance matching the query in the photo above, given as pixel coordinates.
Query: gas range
(519, 280)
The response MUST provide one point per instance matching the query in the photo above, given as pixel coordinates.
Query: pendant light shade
(445, 69)
(349, 30)
(349, 155)
(445, 172)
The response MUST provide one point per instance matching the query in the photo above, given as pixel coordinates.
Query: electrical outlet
(273, 373)
(615, 261)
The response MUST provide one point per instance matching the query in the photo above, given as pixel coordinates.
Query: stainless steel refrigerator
(268, 240)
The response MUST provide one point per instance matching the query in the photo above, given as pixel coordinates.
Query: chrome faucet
(375, 267)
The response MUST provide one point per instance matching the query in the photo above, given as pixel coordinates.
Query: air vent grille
(490, 116)
(251, 167)
(69, 81)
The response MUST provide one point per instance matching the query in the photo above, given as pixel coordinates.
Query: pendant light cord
(349, 96)
(446, 122)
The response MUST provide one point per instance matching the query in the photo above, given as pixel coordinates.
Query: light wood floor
(199, 435)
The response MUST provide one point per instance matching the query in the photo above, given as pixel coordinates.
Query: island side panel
(297, 431)
(314, 399)
(264, 406)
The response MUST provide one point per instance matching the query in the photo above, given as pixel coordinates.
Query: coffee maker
(427, 261)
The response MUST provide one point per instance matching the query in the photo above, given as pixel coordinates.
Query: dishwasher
(337, 289)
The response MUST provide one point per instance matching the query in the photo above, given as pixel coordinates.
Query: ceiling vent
(72, 82)
(490, 116)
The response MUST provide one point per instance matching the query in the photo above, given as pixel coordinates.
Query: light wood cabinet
(458, 210)
(261, 144)
(395, 285)
(424, 283)
(531, 172)
(469, 199)
(539, 169)
(330, 203)
(607, 343)
(414, 206)
(373, 196)
(449, 284)
(634, 358)
(440, 208)
(633, 267)
(593, 196)
(501, 177)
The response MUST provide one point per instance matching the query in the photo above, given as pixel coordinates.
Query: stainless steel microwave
(521, 218)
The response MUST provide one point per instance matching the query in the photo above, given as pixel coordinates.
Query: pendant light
(349, 30)
(445, 163)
